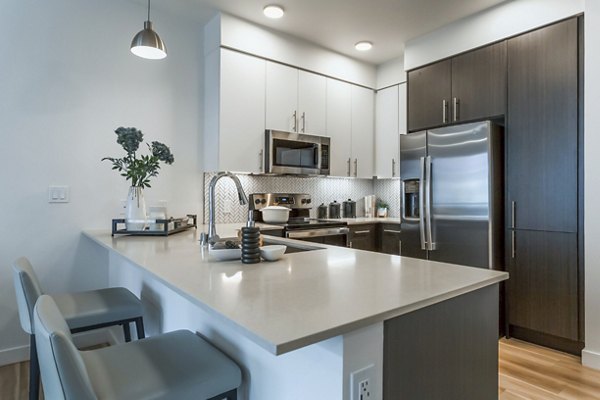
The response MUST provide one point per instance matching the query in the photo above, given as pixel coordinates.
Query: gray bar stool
(176, 365)
(83, 311)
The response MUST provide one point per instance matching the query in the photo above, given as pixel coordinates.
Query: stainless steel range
(300, 226)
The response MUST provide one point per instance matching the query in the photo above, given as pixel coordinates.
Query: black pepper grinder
(250, 241)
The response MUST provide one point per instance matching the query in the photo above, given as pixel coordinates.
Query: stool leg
(139, 327)
(34, 370)
(231, 395)
(126, 332)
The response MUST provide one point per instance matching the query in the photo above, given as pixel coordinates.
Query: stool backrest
(62, 368)
(28, 290)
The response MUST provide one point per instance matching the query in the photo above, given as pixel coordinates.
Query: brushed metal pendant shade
(147, 44)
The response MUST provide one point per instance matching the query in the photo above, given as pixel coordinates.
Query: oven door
(293, 153)
(332, 236)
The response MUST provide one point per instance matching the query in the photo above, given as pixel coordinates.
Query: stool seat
(98, 307)
(175, 365)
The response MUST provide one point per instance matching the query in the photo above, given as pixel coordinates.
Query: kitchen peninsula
(315, 322)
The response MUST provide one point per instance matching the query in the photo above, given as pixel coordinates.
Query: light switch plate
(58, 194)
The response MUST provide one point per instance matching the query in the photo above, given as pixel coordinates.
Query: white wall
(591, 353)
(67, 80)
(245, 36)
(391, 73)
(506, 19)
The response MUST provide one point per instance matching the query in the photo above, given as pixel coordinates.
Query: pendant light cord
(148, 10)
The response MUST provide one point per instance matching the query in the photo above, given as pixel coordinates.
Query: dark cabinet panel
(479, 83)
(542, 128)
(542, 288)
(429, 90)
(363, 237)
(390, 239)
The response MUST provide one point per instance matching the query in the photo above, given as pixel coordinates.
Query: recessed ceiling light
(363, 46)
(273, 11)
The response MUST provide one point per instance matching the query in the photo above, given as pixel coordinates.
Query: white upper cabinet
(296, 100)
(312, 103)
(363, 124)
(339, 126)
(387, 129)
(241, 131)
(282, 98)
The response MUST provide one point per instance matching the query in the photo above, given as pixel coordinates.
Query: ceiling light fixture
(273, 11)
(147, 43)
(363, 46)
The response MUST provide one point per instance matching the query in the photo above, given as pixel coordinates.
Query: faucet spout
(213, 237)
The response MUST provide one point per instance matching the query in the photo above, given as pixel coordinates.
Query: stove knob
(257, 201)
(263, 201)
(303, 201)
(308, 201)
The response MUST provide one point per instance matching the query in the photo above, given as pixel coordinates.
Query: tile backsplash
(322, 190)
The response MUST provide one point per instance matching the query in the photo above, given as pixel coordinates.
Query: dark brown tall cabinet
(544, 289)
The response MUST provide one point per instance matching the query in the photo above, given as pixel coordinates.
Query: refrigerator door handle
(430, 243)
(421, 205)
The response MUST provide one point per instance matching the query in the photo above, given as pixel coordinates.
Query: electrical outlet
(361, 383)
(227, 205)
(58, 194)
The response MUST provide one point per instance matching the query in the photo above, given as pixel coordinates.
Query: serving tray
(169, 226)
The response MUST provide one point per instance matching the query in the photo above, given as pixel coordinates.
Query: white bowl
(226, 254)
(275, 214)
(272, 252)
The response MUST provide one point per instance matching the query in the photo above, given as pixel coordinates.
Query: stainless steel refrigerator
(452, 194)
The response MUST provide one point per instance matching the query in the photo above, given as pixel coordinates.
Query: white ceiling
(338, 24)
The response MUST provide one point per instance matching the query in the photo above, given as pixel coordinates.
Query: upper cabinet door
(242, 113)
(386, 132)
(282, 98)
(479, 84)
(339, 126)
(312, 103)
(363, 124)
(429, 95)
(542, 128)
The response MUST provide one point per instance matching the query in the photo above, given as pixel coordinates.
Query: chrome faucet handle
(204, 239)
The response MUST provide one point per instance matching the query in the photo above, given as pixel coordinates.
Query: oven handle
(316, 233)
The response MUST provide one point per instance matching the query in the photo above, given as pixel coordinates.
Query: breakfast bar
(321, 320)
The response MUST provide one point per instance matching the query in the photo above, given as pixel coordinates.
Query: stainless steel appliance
(300, 225)
(296, 153)
(452, 194)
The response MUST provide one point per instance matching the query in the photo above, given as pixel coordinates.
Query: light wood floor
(532, 372)
(527, 372)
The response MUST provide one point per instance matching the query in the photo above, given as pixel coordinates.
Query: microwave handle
(317, 155)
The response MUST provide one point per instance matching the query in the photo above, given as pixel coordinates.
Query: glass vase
(136, 218)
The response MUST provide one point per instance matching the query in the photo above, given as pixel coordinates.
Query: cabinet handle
(295, 116)
(393, 167)
(362, 232)
(455, 104)
(513, 244)
(355, 167)
(391, 231)
(303, 122)
(349, 161)
(350, 244)
(513, 218)
(260, 160)
(444, 111)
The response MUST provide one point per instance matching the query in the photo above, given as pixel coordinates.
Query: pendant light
(147, 43)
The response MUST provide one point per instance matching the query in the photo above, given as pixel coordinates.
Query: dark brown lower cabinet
(542, 290)
(363, 237)
(390, 238)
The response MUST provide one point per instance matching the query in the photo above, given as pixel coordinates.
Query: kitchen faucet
(212, 230)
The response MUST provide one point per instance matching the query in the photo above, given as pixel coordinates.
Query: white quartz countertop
(303, 298)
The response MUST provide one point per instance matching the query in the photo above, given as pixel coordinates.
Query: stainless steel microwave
(296, 153)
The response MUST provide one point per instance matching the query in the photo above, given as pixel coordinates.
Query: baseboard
(590, 359)
(112, 336)
(543, 339)
(14, 355)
